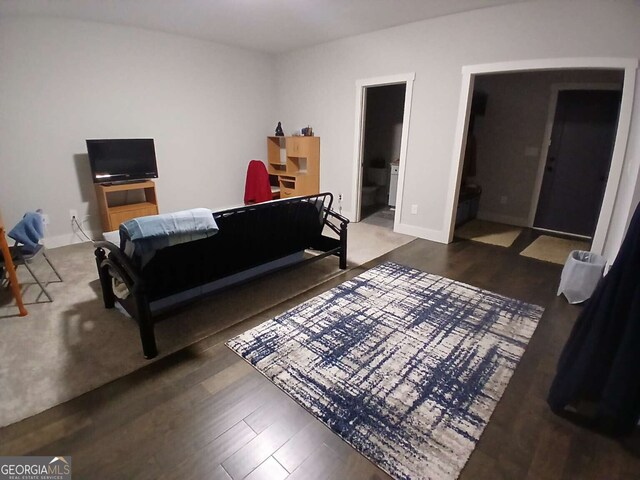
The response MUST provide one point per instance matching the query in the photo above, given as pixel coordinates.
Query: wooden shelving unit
(296, 162)
(113, 216)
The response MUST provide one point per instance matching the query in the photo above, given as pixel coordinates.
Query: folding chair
(27, 234)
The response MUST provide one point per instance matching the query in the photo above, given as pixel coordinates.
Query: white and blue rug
(405, 366)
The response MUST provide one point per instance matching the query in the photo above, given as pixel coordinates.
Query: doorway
(577, 162)
(363, 88)
(502, 192)
(618, 197)
(382, 135)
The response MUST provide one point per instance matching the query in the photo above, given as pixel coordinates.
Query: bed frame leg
(145, 322)
(105, 280)
(148, 338)
(343, 246)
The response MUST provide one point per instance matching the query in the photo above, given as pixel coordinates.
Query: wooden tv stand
(113, 216)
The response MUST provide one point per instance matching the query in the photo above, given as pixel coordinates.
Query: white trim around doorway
(556, 88)
(611, 195)
(361, 86)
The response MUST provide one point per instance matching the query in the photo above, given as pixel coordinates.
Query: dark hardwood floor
(204, 413)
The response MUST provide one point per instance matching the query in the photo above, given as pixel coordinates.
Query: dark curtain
(600, 364)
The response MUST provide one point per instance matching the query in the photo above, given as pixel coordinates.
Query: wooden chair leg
(13, 278)
(11, 270)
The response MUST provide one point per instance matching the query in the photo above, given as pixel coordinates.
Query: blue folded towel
(29, 231)
(141, 237)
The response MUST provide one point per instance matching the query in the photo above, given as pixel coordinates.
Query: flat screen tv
(122, 160)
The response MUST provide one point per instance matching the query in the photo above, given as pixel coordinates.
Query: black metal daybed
(252, 241)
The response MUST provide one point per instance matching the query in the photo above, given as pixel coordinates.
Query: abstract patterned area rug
(405, 366)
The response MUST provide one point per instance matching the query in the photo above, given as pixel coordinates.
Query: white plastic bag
(580, 275)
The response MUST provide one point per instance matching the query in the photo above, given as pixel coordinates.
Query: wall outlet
(414, 209)
(73, 214)
(339, 197)
(503, 200)
(45, 218)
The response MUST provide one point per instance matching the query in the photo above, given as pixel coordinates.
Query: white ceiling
(267, 25)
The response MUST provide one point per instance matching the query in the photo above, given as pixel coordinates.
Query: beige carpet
(553, 249)
(488, 232)
(73, 345)
(367, 241)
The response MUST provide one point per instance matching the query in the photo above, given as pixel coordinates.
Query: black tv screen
(122, 160)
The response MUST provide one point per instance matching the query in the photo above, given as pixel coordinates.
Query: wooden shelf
(112, 216)
(296, 163)
(123, 187)
(131, 206)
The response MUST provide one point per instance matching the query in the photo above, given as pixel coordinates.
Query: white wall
(317, 85)
(208, 107)
(509, 136)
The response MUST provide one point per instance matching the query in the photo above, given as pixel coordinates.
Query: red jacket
(257, 188)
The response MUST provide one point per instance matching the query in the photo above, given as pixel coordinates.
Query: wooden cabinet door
(305, 147)
(293, 146)
(301, 146)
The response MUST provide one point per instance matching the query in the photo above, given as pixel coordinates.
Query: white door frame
(556, 88)
(628, 65)
(358, 145)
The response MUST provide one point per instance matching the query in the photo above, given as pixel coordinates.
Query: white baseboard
(421, 232)
(500, 218)
(69, 239)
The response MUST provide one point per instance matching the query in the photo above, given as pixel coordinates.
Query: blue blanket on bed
(141, 238)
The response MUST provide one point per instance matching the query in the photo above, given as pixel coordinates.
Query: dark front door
(578, 161)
